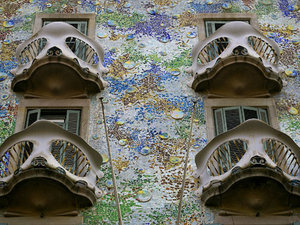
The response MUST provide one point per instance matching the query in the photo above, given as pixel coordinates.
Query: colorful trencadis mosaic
(148, 104)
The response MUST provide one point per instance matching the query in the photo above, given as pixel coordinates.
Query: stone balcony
(47, 171)
(250, 170)
(236, 61)
(59, 61)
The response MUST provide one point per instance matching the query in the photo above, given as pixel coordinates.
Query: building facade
(194, 103)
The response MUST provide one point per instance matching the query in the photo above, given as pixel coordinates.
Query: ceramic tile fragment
(177, 114)
(109, 184)
(8, 24)
(129, 65)
(123, 142)
(111, 23)
(4, 96)
(163, 135)
(143, 196)
(293, 111)
(104, 158)
(227, 6)
(145, 151)
(175, 72)
(174, 159)
(3, 76)
(101, 35)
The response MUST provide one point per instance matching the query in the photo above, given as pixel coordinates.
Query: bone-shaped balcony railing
(63, 40)
(251, 143)
(50, 146)
(234, 39)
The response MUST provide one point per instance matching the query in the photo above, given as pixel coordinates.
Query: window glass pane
(76, 25)
(32, 116)
(79, 25)
(218, 25)
(57, 116)
(212, 26)
(250, 113)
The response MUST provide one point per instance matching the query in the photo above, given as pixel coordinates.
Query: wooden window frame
(89, 18)
(201, 18)
(69, 104)
(214, 103)
(241, 113)
(78, 22)
(66, 125)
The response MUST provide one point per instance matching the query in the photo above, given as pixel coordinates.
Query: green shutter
(229, 117)
(263, 115)
(32, 116)
(84, 27)
(208, 28)
(232, 117)
(72, 121)
(219, 121)
(72, 125)
(221, 128)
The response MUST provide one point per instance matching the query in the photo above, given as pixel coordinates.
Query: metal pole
(111, 165)
(186, 164)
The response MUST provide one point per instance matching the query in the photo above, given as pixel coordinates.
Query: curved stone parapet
(51, 166)
(59, 61)
(241, 171)
(236, 60)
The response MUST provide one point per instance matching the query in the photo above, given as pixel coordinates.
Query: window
(69, 119)
(70, 114)
(223, 114)
(228, 118)
(207, 23)
(85, 23)
(82, 26)
(74, 44)
(212, 25)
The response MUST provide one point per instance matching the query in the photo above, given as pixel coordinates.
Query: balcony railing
(60, 43)
(232, 44)
(45, 150)
(59, 148)
(253, 149)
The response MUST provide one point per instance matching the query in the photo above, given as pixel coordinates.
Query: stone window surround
(213, 103)
(82, 104)
(89, 17)
(201, 18)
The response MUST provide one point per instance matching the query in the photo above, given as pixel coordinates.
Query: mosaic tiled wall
(148, 103)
